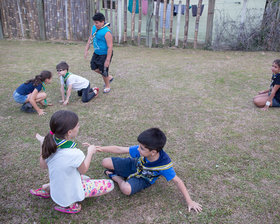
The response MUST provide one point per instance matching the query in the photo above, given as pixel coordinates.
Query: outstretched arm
(83, 168)
(43, 163)
(113, 149)
(87, 46)
(182, 188)
(109, 42)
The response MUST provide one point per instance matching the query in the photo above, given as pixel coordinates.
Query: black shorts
(97, 62)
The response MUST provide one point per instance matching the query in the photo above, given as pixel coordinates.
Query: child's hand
(41, 112)
(265, 108)
(61, 101)
(49, 104)
(98, 148)
(65, 102)
(40, 138)
(195, 206)
(91, 148)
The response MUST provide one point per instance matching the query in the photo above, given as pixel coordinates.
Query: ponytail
(49, 146)
(40, 78)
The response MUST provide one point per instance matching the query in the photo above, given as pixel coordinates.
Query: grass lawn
(224, 148)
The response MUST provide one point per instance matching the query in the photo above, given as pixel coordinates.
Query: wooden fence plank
(209, 26)
(178, 23)
(156, 22)
(186, 28)
(164, 21)
(139, 23)
(197, 23)
(125, 22)
(133, 21)
(171, 23)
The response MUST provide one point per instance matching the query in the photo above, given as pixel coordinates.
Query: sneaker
(74, 208)
(96, 91)
(27, 108)
(40, 193)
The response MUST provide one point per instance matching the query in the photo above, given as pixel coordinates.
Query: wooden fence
(71, 20)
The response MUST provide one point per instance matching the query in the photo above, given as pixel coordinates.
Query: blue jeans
(124, 167)
(19, 98)
(275, 103)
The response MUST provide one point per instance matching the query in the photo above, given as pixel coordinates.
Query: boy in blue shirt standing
(148, 161)
(102, 41)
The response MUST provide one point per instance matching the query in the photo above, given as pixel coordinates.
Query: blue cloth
(19, 98)
(168, 14)
(275, 80)
(99, 41)
(130, 5)
(152, 170)
(25, 89)
(126, 166)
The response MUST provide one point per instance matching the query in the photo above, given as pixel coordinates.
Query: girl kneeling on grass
(29, 93)
(270, 97)
(66, 164)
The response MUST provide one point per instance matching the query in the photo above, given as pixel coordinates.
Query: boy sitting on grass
(70, 81)
(148, 161)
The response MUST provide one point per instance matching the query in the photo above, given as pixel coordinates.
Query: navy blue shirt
(25, 89)
(275, 80)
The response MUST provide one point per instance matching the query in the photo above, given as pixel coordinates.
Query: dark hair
(62, 65)
(98, 17)
(277, 62)
(153, 139)
(40, 78)
(61, 122)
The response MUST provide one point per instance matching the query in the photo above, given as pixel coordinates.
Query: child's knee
(107, 163)
(126, 189)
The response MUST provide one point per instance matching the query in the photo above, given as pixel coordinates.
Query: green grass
(224, 148)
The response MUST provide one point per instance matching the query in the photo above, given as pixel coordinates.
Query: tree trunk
(171, 23)
(139, 23)
(156, 23)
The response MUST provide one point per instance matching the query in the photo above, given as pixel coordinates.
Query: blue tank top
(99, 41)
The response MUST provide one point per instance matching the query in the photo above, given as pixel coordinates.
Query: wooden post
(97, 6)
(139, 23)
(156, 23)
(106, 10)
(20, 19)
(41, 19)
(133, 21)
(187, 14)
(209, 26)
(149, 25)
(111, 17)
(116, 21)
(125, 21)
(91, 13)
(197, 23)
(171, 23)
(164, 21)
(178, 23)
(1, 29)
(120, 20)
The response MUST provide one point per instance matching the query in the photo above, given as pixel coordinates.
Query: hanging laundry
(168, 14)
(155, 6)
(175, 10)
(145, 7)
(130, 5)
(194, 10)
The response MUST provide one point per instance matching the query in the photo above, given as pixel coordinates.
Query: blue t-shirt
(152, 170)
(25, 89)
(99, 41)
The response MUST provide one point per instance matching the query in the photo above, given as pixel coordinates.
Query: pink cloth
(144, 7)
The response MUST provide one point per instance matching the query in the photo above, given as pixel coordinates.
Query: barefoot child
(70, 81)
(270, 97)
(148, 161)
(29, 93)
(67, 164)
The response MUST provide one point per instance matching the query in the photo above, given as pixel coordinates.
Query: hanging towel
(194, 10)
(130, 5)
(183, 8)
(145, 7)
(168, 14)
